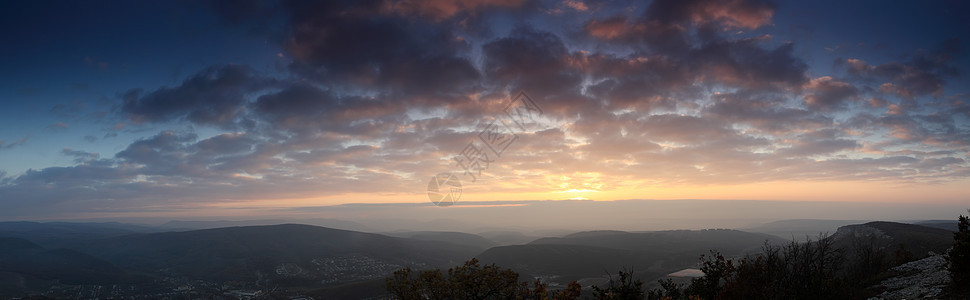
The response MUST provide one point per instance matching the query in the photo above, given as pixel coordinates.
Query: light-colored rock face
(859, 231)
(921, 279)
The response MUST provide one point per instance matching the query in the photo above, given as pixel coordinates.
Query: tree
(669, 290)
(959, 255)
(623, 288)
(471, 281)
(716, 270)
(572, 292)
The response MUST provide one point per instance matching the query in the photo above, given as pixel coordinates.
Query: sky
(180, 109)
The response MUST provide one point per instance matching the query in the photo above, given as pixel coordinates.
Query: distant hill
(801, 228)
(668, 241)
(59, 234)
(502, 237)
(916, 238)
(296, 253)
(650, 254)
(458, 238)
(19, 258)
(950, 225)
(181, 225)
(329, 223)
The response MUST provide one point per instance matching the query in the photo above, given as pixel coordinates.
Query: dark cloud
(922, 74)
(307, 109)
(162, 154)
(827, 94)
(744, 64)
(665, 26)
(358, 45)
(677, 44)
(225, 144)
(530, 60)
(638, 82)
(214, 96)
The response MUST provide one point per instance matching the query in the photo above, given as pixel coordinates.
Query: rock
(922, 279)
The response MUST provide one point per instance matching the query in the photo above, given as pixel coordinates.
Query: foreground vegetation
(472, 281)
(815, 269)
(959, 257)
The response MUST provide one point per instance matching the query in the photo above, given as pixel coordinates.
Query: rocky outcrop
(922, 279)
(859, 230)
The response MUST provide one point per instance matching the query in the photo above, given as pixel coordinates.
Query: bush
(623, 288)
(811, 270)
(470, 281)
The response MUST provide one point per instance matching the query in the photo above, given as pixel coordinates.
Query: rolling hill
(800, 228)
(458, 238)
(650, 254)
(26, 261)
(58, 234)
(297, 253)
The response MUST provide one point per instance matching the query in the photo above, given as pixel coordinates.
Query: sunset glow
(181, 110)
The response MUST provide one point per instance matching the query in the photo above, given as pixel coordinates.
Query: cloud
(307, 109)
(819, 142)
(529, 60)
(827, 94)
(609, 28)
(742, 63)
(380, 95)
(213, 96)
(80, 157)
(922, 74)
(734, 13)
(575, 4)
(767, 113)
(7, 145)
(400, 54)
(443, 9)
(700, 52)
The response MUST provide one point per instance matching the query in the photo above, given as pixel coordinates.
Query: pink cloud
(610, 28)
(577, 5)
(442, 9)
(733, 13)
